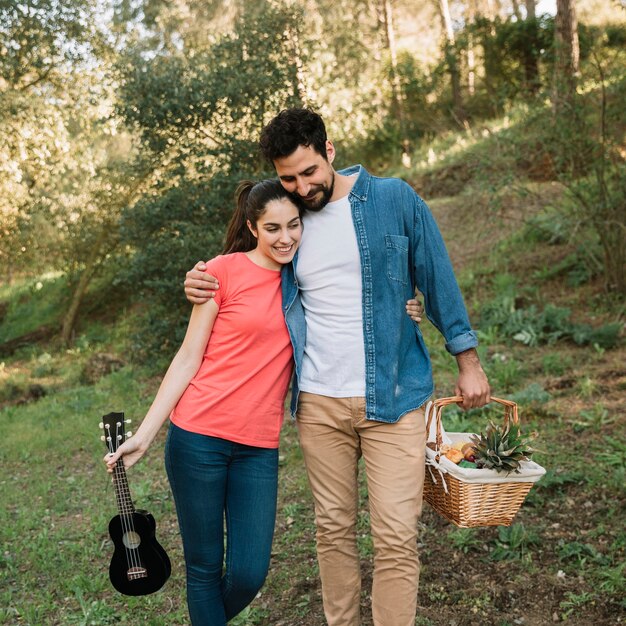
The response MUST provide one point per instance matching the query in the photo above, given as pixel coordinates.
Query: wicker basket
(474, 497)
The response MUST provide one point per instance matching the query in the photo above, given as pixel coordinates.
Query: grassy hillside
(550, 339)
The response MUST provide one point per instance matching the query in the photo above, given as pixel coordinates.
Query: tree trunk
(531, 51)
(452, 63)
(98, 250)
(471, 66)
(613, 240)
(516, 11)
(397, 105)
(490, 58)
(612, 223)
(567, 54)
(471, 57)
(43, 333)
(69, 320)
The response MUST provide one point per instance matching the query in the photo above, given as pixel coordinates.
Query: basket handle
(510, 414)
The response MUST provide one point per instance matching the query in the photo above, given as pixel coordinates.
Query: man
(362, 371)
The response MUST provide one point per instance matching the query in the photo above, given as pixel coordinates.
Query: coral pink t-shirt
(239, 391)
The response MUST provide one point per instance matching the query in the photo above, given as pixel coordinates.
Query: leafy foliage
(169, 234)
(533, 326)
(43, 111)
(199, 124)
(514, 542)
(146, 117)
(502, 447)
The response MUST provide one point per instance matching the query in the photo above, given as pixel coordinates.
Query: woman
(224, 393)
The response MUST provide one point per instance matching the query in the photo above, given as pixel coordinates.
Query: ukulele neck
(122, 492)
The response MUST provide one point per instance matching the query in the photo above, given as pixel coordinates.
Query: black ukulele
(139, 565)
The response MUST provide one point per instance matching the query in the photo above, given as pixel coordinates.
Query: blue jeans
(213, 479)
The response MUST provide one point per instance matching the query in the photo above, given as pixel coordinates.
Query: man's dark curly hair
(292, 128)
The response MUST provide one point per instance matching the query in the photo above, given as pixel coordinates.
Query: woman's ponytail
(238, 235)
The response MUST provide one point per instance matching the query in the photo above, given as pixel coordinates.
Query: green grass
(57, 501)
(32, 303)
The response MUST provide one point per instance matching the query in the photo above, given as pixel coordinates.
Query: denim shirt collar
(361, 187)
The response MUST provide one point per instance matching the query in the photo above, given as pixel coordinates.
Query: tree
(197, 117)
(471, 56)
(452, 62)
(585, 143)
(43, 90)
(89, 243)
(531, 50)
(43, 39)
(397, 103)
(567, 55)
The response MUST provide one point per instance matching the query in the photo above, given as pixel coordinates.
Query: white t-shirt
(329, 276)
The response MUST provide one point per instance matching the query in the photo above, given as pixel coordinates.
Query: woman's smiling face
(278, 231)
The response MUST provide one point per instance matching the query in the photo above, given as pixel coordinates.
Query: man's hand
(200, 287)
(472, 382)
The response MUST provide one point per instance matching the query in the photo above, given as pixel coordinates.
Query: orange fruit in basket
(454, 455)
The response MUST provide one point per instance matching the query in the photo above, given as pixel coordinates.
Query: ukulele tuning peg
(129, 434)
(127, 421)
(103, 438)
(100, 425)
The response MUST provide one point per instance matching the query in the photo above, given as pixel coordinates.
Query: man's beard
(316, 204)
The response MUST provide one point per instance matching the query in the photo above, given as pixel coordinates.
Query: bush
(533, 326)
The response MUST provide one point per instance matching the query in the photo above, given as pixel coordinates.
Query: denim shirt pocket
(397, 257)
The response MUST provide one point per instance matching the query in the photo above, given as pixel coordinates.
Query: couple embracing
(317, 267)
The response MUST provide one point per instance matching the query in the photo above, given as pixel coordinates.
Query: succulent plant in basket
(502, 447)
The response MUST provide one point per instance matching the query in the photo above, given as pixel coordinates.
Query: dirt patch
(100, 365)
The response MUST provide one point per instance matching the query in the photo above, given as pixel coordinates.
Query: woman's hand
(130, 452)
(414, 310)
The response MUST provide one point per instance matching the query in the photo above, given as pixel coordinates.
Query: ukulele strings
(126, 518)
(127, 521)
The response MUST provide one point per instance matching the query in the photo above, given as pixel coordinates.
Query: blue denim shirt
(401, 248)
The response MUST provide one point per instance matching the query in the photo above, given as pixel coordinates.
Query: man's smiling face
(308, 176)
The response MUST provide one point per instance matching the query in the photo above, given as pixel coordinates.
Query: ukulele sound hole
(134, 573)
(131, 540)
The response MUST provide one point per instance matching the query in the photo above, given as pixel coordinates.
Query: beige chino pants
(334, 434)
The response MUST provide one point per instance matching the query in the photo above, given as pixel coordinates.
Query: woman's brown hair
(251, 202)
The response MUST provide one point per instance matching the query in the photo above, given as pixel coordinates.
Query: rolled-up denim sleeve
(434, 277)
(461, 343)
